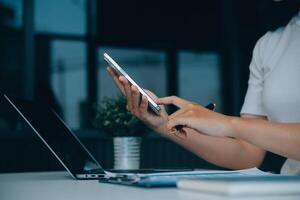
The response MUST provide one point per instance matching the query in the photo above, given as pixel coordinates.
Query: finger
(179, 102)
(144, 104)
(143, 107)
(111, 71)
(116, 79)
(135, 96)
(181, 134)
(151, 94)
(163, 113)
(127, 90)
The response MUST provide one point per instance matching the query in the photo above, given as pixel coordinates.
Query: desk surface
(60, 186)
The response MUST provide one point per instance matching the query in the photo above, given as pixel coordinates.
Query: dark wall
(229, 27)
(177, 24)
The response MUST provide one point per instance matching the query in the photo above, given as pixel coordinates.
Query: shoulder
(271, 38)
(268, 43)
(278, 38)
(268, 46)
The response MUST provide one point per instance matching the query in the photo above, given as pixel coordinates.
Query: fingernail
(173, 130)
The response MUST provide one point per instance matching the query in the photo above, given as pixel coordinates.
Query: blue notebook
(169, 179)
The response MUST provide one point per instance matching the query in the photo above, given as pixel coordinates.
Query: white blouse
(274, 82)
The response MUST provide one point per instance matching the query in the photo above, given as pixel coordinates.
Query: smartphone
(121, 72)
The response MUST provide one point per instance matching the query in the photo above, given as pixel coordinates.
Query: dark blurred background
(51, 51)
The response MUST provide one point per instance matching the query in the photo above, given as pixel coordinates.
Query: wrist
(162, 131)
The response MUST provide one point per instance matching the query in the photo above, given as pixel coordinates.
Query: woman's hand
(192, 115)
(138, 105)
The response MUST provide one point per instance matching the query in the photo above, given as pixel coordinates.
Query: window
(60, 16)
(199, 77)
(147, 68)
(68, 78)
(12, 12)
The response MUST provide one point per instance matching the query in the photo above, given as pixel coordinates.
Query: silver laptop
(76, 159)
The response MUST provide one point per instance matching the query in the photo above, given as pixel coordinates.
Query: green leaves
(113, 118)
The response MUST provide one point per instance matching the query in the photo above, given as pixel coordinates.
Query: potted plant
(113, 118)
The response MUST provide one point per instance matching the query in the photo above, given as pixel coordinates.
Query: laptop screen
(56, 135)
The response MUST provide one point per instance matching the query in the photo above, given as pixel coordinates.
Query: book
(243, 185)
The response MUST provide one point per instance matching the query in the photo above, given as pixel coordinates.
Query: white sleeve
(253, 103)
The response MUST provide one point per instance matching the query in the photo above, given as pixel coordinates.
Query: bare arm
(225, 152)
(279, 138)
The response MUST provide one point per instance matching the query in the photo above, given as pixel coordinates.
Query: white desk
(60, 186)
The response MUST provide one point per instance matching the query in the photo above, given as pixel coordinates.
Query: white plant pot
(127, 152)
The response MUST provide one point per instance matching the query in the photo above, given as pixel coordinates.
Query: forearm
(279, 138)
(224, 152)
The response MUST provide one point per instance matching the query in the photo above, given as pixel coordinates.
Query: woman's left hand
(192, 115)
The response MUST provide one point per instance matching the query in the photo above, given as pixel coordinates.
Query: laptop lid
(50, 128)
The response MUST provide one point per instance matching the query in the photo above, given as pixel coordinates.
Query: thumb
(151, 94)
(179, 102)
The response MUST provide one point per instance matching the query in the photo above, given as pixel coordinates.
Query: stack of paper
(254, 183)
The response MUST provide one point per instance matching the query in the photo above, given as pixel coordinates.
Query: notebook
(243, 185)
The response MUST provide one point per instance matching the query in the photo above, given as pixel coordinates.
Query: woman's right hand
(138, 105)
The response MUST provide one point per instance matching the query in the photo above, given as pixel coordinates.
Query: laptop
(75, 157)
